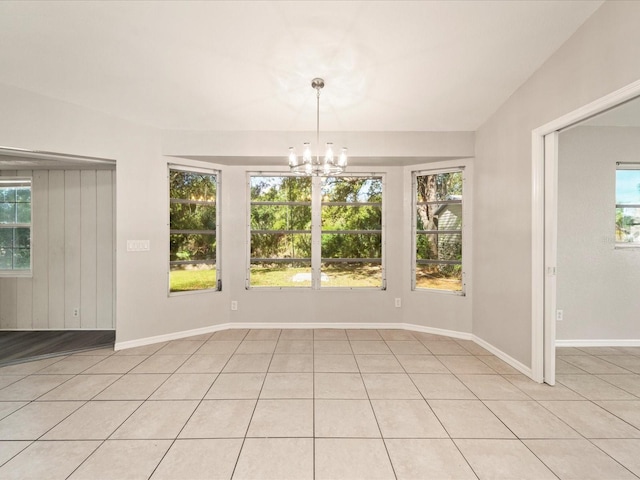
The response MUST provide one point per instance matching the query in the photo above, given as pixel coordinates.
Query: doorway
(544, 227)
(57, 248)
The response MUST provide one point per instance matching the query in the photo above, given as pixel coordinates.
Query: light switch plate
(138, 245)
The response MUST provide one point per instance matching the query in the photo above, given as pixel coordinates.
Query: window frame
(316, 232)
(635, 166)
(382, 230)
(20, 273)
(250, 230)
(414, 230)
(218, 267)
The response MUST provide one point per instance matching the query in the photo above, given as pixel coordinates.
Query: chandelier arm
(318, 168)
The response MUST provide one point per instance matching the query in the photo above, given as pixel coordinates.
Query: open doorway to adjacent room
(586, 239)
(57, 253)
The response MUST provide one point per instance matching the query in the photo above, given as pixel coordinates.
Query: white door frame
(550, 254)
(543, 234)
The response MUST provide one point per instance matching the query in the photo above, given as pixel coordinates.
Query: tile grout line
(583, 437)
(264, 380)
(173, 441)
(72, 376)
(142, 402)
(33, 401)
(386, 449)
(429, 405)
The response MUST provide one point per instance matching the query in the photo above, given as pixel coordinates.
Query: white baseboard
(435, 331)
(400, 326)
(141, 342)
(261, 325)
(522, 368)
(631, 342)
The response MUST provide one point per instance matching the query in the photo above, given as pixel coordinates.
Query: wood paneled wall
(73, 254)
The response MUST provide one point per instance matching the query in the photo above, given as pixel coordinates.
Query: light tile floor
(323, 404)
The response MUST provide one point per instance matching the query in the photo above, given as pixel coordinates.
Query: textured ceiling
(388, 66)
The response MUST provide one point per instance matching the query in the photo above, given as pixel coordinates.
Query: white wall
(601, 57)
(305, 305)
(432, 309)
(73, 254)
(143, 307)
(597, 283)
(367, 146)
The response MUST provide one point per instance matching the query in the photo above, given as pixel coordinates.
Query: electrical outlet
(234, 305)
(398, 302)
(559, 315)
(76, 312)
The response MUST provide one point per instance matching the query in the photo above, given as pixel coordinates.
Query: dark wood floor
(16, 347)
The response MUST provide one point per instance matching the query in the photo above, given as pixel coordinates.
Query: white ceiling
(247, 65)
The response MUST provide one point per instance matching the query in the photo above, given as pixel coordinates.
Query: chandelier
(329, 163)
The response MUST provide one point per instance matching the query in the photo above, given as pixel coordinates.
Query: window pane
(351, 217)
(7, 194)
(343, 245)
(23, 212)
(434, 216)
(439, 246)
(7, 213)
(6, 237)
(628, 187)
(192, 247)
(184, 278)
(628, 225)
(23, 237)
(192, 217)
(351, 274)
(281, 274)
(439, 277)
(21, 259)
(192, 186)
(6, 258)
(438, 209)
(439, 187)
(281, 217)
(276, 257)
(23, 195)
(192, 256)
(352, 189)
(280, 245)
(280, 189)
(439, 216)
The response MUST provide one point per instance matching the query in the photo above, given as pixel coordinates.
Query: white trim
(394, 326)
(538, 214)
(433, 331)
(550, 256)
(537, 258)
(262, 325)
(168, 336)
(57, 329)
(599, 343)
(189, 169)
(522, 368)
